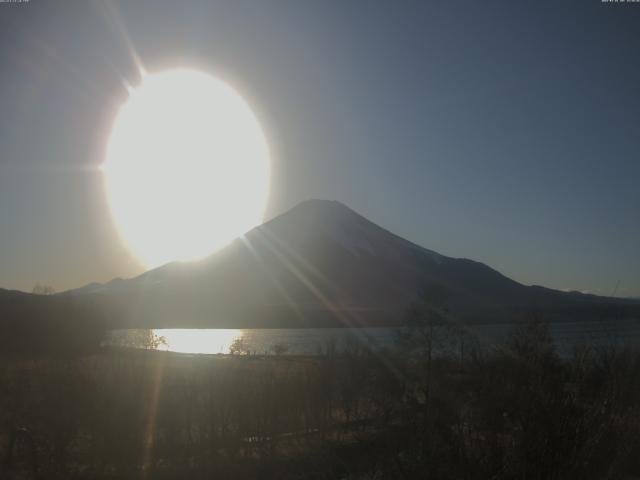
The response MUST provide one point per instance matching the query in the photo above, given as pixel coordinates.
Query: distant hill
(322, 264)
(49, 323)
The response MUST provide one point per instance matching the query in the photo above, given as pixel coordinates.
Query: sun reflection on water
(185, 340)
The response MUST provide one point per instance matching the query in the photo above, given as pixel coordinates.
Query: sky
(505, 132)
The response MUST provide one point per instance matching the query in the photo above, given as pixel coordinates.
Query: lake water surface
(314, 341)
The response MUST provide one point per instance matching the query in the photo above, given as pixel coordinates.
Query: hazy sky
(507, 132)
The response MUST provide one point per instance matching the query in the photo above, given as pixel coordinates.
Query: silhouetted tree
(239, 347)
(40, 289)
(280, 348)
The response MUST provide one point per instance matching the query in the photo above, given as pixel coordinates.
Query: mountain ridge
(320, 264)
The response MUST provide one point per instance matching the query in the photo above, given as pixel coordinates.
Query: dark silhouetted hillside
(322, 264)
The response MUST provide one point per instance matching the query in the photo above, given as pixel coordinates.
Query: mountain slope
(322, 264)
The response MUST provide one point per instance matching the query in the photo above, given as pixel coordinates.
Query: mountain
(322, 264)
(38, 324)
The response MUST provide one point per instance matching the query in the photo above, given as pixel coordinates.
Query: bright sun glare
(187, 167)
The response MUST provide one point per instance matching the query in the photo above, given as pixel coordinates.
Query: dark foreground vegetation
(518, 411)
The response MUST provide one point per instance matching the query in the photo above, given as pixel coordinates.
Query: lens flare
(187, 167)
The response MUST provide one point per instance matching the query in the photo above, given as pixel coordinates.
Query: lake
(315, 341)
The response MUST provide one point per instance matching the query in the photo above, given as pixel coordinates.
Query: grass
(515, 412)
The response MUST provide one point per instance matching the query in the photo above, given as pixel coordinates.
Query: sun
(187, 167)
